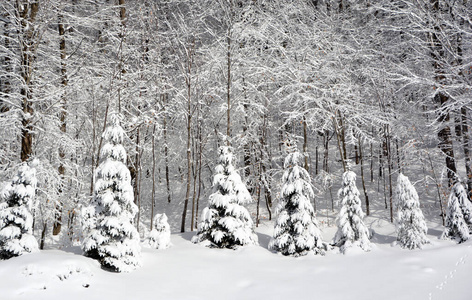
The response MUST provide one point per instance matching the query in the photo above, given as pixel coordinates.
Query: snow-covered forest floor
(187, 271)
(441, 270)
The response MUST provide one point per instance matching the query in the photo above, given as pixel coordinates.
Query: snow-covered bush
(351, 228)
(159, 237)
(226, 223)
(108, 221)
(16, 221)
(458, 216)
(410, 222)
(296, 230)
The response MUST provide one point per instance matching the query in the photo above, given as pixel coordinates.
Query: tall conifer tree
(111, 235)
(410, 223)
(226, 223)
(296, 230)
(459, 215)
(351, 228)
(16, 220)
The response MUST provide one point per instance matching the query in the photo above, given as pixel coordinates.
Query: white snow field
(441, 270)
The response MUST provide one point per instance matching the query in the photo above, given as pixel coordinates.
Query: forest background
(385, 85)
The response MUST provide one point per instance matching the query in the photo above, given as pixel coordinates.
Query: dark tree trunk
(26, 13)
(445, 138)
(188, 81)
(361, 157)
(200, 156)
(388, 153)
(43, 236)
(326, 151)
(305, 144)
(122, 69)
(317, 155)
(137, 177)
(153, 193)
(371, 162)
(189, 167)
(56, 229)
(463, 117)
(247, 150)
(228, 90)
(466, 145)
(5, 84)
(166, 148)
(441, 99)
(340, 147)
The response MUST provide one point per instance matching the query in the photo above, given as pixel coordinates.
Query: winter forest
(303, 135)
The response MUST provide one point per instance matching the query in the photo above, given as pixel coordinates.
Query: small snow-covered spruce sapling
(225, 222)
(16, 220)
(159, 237)
(459, 215)
(410, 222)
(108, 221)
(351, 228)
(296, 230)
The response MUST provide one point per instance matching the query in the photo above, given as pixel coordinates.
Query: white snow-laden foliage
(159, 237)
(410, 222)
(458, 216)
(16, 220)
(225, 223)
(296, 230)
(351, 228)
(108, 221)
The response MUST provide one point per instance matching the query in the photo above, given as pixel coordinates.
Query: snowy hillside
(441, 270)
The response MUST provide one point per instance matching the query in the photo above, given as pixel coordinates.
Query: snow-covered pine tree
(16, 220)
(296, 230)
(351, 228)
(110, 235)
(410, 222)
(458, 216)
(226, 223)
(159, 237)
